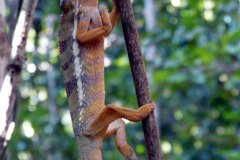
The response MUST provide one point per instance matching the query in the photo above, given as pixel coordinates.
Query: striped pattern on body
(83, 72)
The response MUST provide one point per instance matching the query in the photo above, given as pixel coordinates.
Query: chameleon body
(81, 39)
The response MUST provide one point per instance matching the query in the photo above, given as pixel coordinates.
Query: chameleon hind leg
(118, 128)
(112, 112)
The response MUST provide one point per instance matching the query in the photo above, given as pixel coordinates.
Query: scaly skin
(81, 36)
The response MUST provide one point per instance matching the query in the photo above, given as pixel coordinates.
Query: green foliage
(194, 81)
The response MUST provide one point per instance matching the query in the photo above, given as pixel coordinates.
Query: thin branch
(9, 90)
(139, 77)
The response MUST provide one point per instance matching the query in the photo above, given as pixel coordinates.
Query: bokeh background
(191, 49)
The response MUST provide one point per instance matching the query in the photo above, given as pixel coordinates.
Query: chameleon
(81, 40)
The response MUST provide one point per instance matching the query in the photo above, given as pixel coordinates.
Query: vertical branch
(9, 90)
(4, 57)
(139, 77)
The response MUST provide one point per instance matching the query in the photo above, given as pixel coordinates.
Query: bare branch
(139, 76)
(9, 90)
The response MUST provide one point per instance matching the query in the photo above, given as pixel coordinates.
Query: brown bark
(9, 90)
(139, 77)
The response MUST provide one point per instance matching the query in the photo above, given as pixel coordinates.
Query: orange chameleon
(81, 37)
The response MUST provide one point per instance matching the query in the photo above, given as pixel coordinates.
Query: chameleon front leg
(112, 112)
(84, 36)
(109, 21)
(118, 128)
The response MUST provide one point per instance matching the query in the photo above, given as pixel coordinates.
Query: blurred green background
(192, 58)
